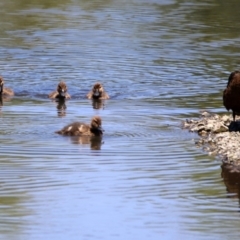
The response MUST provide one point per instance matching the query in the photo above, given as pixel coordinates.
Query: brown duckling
(97, 92)
(231, 95)
(61, 92)
(82, 129)
(3, 90)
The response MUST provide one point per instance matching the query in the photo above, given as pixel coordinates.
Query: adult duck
(231, 95)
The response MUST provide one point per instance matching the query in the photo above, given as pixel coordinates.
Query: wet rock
(219, 135)
(225, 118)
(205, 114)
(220, 127)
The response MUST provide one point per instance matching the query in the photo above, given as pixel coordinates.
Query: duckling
(5, 91)
(231, 95)
(61, 92)
(97, 92)
(82, 129)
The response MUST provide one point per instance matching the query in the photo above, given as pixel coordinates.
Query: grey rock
(218, 136)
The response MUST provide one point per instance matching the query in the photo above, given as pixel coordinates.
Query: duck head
(97, 90)
(62, 89)
(96, 125)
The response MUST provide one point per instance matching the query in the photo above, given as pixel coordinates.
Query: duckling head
(96, 124)
(97, 90)
(62, 89)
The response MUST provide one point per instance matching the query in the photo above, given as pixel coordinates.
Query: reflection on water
(161, 62)
(97, 103)
(94, 142)
(231, 179)
(4, 99)
(61, 107)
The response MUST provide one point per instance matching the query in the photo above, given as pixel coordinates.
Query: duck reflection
(61, 107)
(97, 103)
(1, 101)
(231, 178)
(95, 142)
(4, 99)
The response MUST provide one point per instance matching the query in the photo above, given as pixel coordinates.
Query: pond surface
(161, 62)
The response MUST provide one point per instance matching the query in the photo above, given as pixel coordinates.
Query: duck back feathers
(231, 95)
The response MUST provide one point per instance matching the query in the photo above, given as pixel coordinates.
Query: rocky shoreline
(219, 136)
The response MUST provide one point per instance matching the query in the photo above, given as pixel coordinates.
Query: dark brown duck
(231, 95)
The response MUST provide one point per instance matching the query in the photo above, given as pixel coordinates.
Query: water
(161, 62)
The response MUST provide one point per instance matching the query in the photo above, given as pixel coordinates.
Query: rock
(203, 133)
(218, 128)
(205, 114)
(225, 118)
(218, 136)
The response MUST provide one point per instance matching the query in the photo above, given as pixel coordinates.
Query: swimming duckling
(82, 129)
(97, 92)
(61, 92)
(231, 95)
(3, 90)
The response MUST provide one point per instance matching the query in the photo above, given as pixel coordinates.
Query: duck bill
(100, 129)
(62, 94)
(96, 94)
